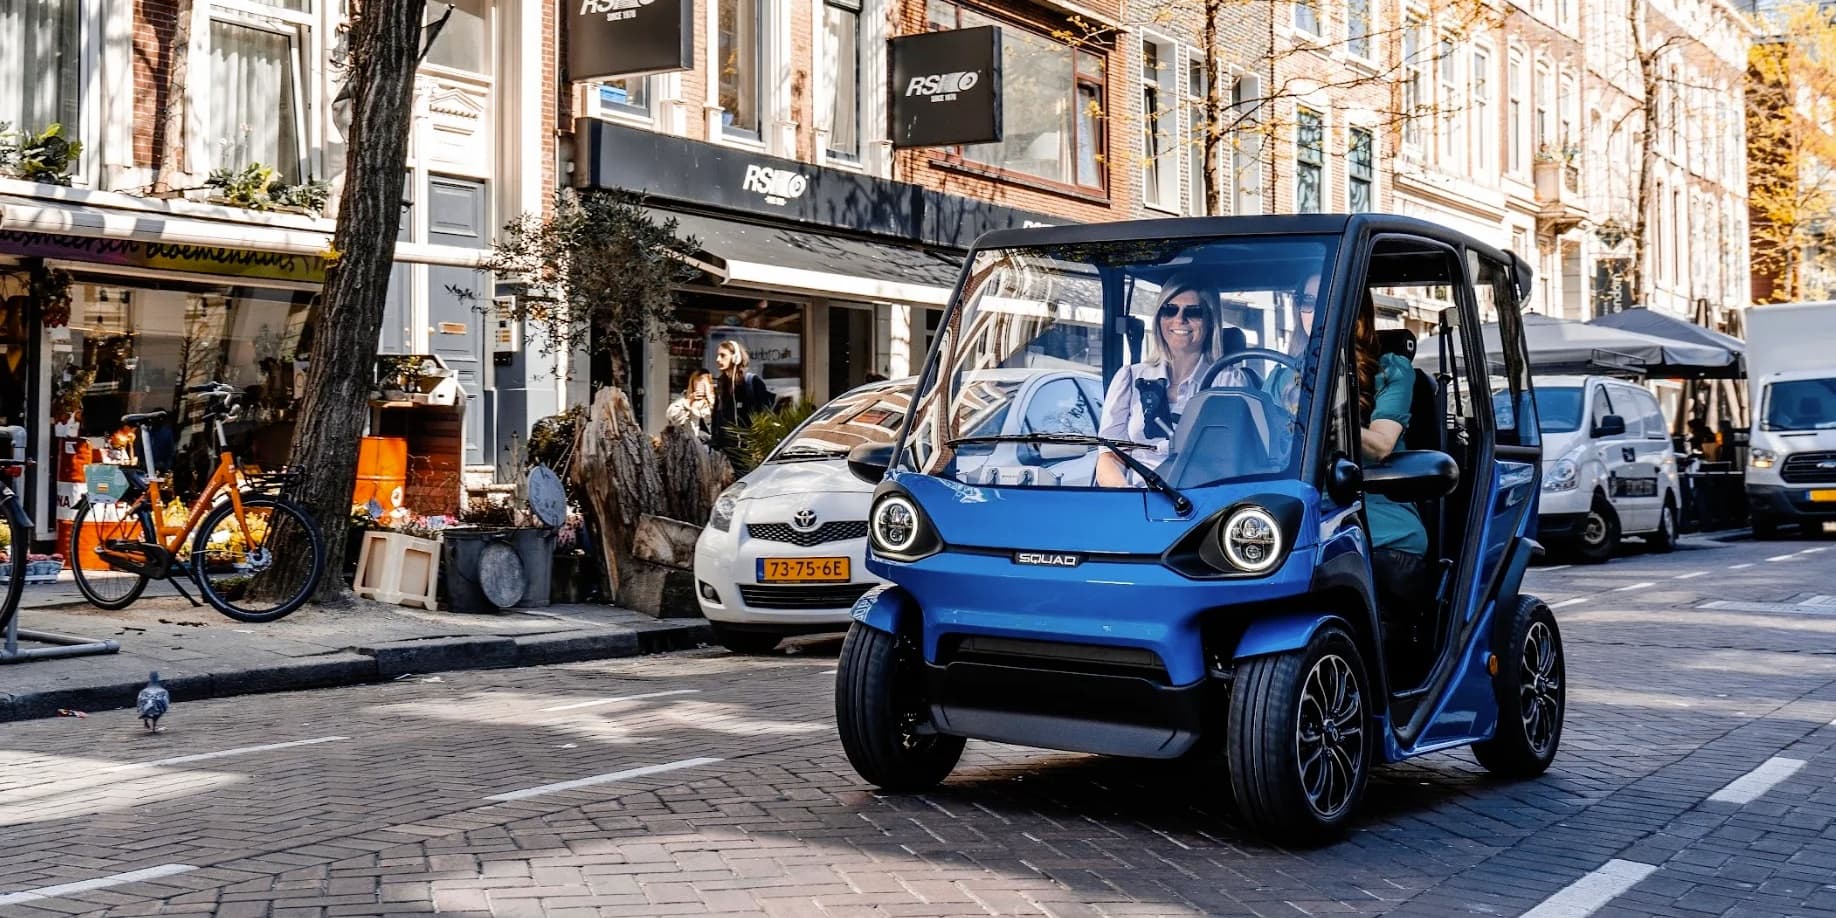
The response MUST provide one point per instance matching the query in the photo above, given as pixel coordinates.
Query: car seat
(1231, 340)
(1223, 433)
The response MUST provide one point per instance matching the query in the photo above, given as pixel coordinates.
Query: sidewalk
(201, 653)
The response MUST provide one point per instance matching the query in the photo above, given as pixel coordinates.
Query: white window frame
(303, 28)
(1316, 11)
(434, 9)
(1542, 124)
(1480, 76)
(89, 120)
(1517, 129)
(1160, 178)
(1247, 143)
(1325, 156)
(1370, 130)
(1370, 37)
(598, 107)
(1192, 121)
(1418, 78)
(1449, 100)
(769, 27)
(824, 81)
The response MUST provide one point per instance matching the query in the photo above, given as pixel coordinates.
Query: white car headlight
(724, 505)
(895, 524)
(1563, 476)
(1762, 458)
(1251, 539)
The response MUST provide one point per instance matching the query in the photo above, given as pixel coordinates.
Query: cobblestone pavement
(706, 783)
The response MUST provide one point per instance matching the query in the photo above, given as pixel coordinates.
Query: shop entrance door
(853, 356)
(456, 214)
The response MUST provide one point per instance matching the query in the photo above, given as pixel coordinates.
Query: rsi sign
(943, 87)
(611, 8)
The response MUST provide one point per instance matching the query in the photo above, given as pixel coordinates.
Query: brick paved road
(383, 804)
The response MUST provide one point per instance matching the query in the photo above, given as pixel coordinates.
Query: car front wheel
(1300, 744)
(882, 716)
(1532, 691)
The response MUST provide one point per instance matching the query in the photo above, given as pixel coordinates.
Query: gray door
(456, 210)
(395, 334)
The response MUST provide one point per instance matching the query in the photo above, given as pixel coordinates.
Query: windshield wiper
(1181, 504)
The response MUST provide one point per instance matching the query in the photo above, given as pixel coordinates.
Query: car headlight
(1563, 476)
(724, 505)
(895, 525)
(1251, 539)
(1762, 458)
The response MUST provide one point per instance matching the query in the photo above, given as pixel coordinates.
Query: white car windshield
(1187, 355)
(871, 414)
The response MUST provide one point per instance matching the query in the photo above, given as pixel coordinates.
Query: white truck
(1791, 378)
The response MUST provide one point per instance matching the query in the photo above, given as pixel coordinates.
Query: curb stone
(378, 662)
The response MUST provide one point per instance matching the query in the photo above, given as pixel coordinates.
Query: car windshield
(1801, 404)
(1187, 354)
(1558, 408)
(871, 414)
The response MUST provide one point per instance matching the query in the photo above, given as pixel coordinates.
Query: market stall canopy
(802, 261)
(1562, 346)
(1646, 322)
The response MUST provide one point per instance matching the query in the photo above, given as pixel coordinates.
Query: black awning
(801, 261)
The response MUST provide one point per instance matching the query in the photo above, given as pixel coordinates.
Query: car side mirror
(1412, 474)
(1610, 426)
(868, 461)
(1343, 481)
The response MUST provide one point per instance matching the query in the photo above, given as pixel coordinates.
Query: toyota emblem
(804, 521)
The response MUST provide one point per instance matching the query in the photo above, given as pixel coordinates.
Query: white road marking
(1782, 557)
(1634, 586)
(1691, 575)
(1735, 567)
(1585, 896)
(1555, 567)
(226, 753)
(1790, 608)
(1750, 786)
(1569, 602)
(119, 879)
(602, 701)
(600, 779)
(1812, 551)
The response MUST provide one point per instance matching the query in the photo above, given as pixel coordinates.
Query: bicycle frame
(225, 478)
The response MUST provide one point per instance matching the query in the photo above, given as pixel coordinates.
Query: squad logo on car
(1048, 558)
(943, 87)
(614, 10)
(779, 186)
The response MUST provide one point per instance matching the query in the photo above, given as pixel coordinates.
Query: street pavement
(1697, 777)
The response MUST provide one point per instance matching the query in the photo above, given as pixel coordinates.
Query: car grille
(837, 531)
(1802, 468)
(825, 596)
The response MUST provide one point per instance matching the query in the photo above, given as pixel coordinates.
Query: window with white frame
(1160, 149)
(1541, 130)
(1415, 82)
(1361, 171)
(1309, 161)
(39, 61)
(1482, 110)
(255, 94)
(1198, 178)
(1565, 104)
(1514, 116)
(1679, 223)
(1358, 28)
(1246, 103)
(840, 111)
(629, 96)
(1307, 17)
(739, 55)
(1450, 112)
(464, 42)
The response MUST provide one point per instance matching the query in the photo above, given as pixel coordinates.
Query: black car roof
(1256, 225)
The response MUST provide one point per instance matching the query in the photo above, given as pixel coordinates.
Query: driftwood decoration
(693, 476)
(615, 470)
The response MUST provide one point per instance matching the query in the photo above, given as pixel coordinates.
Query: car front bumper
(1790, 503)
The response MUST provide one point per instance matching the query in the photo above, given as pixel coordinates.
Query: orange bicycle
(122, 539)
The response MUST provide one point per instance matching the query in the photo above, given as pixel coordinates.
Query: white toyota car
(784, 551)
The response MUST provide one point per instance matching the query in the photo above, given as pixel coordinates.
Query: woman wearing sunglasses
(1144, 401)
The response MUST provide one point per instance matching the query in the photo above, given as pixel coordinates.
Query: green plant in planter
(43, 157)
(766, 429)
(254, 187)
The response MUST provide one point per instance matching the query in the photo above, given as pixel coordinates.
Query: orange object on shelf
(382, 472)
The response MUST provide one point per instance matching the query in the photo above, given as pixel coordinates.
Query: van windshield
(1188, 354)
(1558, 408)
(1801, 404)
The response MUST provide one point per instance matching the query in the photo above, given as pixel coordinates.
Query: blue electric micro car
(1209, 588)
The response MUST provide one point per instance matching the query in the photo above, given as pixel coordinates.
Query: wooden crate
(399, 569)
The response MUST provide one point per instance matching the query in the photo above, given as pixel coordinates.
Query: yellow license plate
(1827, 494)
(803, 570)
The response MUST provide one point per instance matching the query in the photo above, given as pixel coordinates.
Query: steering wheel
(1254, 353)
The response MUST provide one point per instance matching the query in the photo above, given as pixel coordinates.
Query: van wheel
(742, 641)
(1599, 533)
(1300, 743)
(1532, 692)
(881, 715)
(1664, 540)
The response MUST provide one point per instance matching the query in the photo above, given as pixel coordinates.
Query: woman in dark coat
(739, 393)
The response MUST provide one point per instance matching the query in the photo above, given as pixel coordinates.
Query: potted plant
(42, 157)
(254, 187)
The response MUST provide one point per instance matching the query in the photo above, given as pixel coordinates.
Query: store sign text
(779, 186)
(198, 258)
(943, 87)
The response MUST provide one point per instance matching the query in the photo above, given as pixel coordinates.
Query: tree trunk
(693, 476)
(385, 47)
(1647, 141)
(615, 467)
(173, 169)
(1214, 114)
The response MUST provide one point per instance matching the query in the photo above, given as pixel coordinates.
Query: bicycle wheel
(265, 571)
(18, 549)
(96, 523)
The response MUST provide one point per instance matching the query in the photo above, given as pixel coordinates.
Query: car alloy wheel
(1329, 736)
(1540, 691)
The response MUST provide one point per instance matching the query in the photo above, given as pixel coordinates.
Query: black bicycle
(18, 526)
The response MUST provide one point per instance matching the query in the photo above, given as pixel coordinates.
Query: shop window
(256, 100)
(772, 330)
(1310, 161)
(464, 41)
(1361, 172)
(38, 64)
(1052, 102)
(841, 61)
(740, 57)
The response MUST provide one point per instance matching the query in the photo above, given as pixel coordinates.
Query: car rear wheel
(1532, 691)
(1664, 540)
(743, 641)
(1300, 744)
(882, 716)
(1599, 536)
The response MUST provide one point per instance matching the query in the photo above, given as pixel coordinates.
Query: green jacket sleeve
(1395, 389)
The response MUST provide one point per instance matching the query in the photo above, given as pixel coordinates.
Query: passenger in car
(1144, 400)
(1386, 385)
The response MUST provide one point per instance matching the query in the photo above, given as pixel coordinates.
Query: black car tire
(1598, 549)
(1274, 714)
(1532, 691)
(879, 703)
(1664, 540)
(740, 640)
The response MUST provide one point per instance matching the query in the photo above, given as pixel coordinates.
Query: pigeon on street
(152, 703)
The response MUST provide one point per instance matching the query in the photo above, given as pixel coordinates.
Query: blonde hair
(1208, 298)
(736, 349)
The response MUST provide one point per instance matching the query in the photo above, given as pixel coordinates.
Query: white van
(1608, 467)
(1791, 455)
